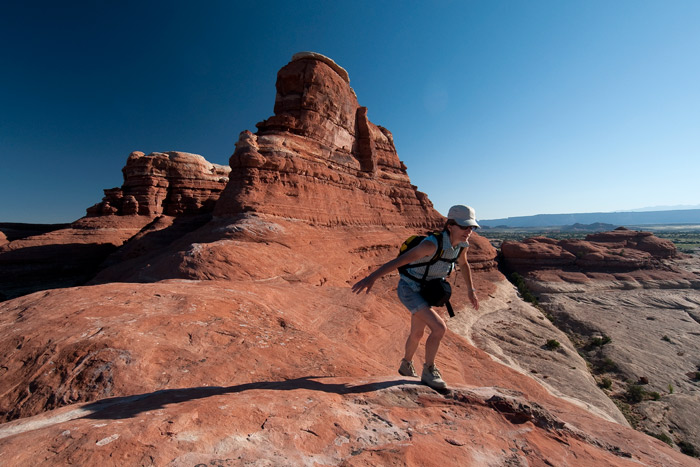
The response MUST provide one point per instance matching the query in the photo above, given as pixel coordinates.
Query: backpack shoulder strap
(439, 249)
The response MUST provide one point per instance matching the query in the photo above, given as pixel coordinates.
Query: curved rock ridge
(164, 183)
(319, 159)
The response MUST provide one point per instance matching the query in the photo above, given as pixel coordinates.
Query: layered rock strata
(319, 159)
(172, 193)
(171, 183)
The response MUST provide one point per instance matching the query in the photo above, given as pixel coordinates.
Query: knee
(438, 330)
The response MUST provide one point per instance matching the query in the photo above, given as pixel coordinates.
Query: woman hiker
(461, 220)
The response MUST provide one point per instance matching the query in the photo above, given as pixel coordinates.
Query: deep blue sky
(514, 107)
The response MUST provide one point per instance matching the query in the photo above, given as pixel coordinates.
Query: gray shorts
(410, 298)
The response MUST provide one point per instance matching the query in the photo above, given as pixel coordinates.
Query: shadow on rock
(130, 406)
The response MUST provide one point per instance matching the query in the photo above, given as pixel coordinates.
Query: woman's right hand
(365, 283)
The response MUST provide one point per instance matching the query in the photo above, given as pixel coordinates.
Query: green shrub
(688, 449)
(662, 436)
(635, 393)
(552, 344)
(666, 338)
(606, 383)
(655, 395)
(608, 365)
(600, 341)
(632, 418)
(519, 282)
(670, 389)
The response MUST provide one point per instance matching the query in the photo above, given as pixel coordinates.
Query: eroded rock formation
(171, 183)
(618, 249)
(172, 193)
(319, 159)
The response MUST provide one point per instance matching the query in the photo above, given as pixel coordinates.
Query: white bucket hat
(463, 215)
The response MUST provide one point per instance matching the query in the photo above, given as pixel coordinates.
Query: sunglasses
(466, 227)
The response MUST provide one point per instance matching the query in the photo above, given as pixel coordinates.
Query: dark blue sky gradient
(516, 108)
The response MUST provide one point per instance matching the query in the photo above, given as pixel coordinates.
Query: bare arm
(422, 250)
(467, 274)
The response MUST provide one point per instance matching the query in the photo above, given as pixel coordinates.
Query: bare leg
(414, 337)
(437, 331)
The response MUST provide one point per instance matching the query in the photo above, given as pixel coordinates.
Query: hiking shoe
(432, 377)
(407, 369)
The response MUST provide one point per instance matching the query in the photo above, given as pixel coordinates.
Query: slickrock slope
(632, 307)
(237, 340)
(189, 372)
(10, 231)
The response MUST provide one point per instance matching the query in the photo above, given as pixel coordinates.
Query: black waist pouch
(436, 292)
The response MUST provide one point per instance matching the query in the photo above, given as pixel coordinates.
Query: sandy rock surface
(515, 334)
(654, 341)
(188, 372)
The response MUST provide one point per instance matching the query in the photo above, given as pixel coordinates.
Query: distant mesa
(680, 216)
(595, 227)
